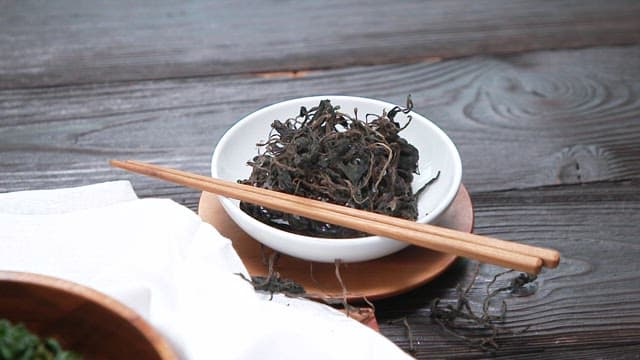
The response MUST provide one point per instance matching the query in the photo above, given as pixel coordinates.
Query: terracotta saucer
(375, 279)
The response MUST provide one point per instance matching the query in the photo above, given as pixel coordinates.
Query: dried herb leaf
(327, 155)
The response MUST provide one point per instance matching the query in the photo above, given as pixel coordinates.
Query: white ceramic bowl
(437, 153)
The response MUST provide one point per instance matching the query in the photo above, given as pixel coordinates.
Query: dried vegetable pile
(328, 155)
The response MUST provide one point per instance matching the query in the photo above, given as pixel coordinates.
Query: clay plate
(375, 279)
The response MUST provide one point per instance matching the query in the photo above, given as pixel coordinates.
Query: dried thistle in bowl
(325, 154)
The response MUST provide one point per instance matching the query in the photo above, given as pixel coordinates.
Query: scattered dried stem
(273, 283)
(482, 331)
(457, 320)
(412, 345)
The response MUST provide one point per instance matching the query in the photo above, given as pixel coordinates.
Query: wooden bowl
(83, 320)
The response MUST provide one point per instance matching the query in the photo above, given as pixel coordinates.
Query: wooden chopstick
(550, 257)
(449, 241)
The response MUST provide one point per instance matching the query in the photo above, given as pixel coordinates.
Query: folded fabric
(178, 272)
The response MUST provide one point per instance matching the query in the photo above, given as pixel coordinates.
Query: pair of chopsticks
(507, 254)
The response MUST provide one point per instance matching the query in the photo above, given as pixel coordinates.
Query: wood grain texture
(567, 120)
(549, 137)
(587, 307)
(518, 121)
(80, 42)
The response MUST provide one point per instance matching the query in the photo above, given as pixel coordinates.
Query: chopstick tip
(553, 259)
(118, 163)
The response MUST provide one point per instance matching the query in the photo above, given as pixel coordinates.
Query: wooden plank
(79, 42)
(588, 305)
(530, 120)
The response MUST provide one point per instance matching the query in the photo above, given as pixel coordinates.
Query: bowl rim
(155, 339)
(228, 204)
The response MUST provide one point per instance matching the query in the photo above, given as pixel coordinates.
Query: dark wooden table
(541, 97)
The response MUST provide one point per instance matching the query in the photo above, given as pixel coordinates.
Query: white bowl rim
(335, 99)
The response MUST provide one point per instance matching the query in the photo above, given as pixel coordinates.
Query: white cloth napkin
(178, 272)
